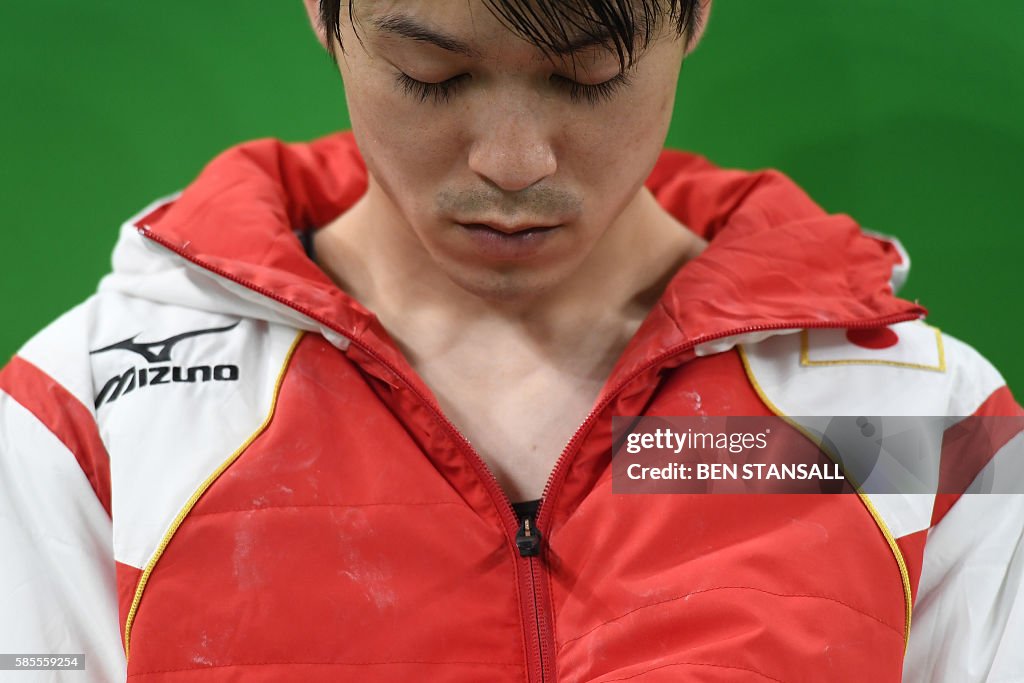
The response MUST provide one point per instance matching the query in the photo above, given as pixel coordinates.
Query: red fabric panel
(338, 550)
(706, 584)
(154, 215)
(721, 580)
(65, 416)
(706, 198)
(969, 445)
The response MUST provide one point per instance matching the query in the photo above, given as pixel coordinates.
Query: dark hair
(625, 26)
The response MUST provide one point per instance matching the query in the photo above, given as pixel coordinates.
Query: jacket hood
(775, 262)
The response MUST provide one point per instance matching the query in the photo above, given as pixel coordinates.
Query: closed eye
(421, 90)
(593, 93)
(442, 91)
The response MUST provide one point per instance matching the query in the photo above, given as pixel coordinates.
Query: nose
(513, 151)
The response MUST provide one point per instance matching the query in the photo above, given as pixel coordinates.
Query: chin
(504, 288)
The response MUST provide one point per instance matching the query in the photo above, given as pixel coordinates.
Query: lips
(498, 242)
(519, 229)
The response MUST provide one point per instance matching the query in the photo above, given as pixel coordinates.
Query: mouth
(497, 242)
(522, 230)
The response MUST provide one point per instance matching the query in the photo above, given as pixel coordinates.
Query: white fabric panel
(878, 464)
(973, 377)
(1004, 473)
(969, 618)
(868, 389)
(337, 340)
(199, 424)
(799, 389)
(850, 389)
(67, 363)
(904, 514)
(148, 270)
(57, 578)
(726, 343)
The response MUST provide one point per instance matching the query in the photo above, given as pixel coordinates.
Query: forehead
(555, 27)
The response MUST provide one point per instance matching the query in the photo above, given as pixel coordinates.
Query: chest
(518, 419)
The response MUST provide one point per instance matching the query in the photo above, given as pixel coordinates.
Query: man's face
(506, 167)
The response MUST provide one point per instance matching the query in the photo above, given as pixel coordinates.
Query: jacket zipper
(530, 529)
(528, 541)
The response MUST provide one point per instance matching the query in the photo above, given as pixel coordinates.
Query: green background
(908, 116)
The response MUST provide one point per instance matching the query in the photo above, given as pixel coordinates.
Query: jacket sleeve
(968, 618)
(57, 576)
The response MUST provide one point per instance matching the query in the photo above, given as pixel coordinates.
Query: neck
(388, 271)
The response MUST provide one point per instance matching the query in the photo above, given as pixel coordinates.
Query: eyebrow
(407, 27)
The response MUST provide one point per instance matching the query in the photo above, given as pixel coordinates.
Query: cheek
(620, 147)
(651, 107)
(408, 146)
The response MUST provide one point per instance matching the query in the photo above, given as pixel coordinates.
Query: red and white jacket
(220, 467)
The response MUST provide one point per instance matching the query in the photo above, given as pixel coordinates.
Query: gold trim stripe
(198, 494)
(908, 595)
(806, 361)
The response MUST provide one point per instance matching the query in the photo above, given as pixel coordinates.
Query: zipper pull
(528, 538)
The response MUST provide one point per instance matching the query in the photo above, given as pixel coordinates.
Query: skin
(510, 145)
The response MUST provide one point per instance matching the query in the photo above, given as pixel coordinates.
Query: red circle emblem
(873, 338)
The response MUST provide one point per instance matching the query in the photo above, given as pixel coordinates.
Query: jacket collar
(775, 261)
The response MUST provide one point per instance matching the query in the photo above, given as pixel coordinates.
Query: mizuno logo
(134, 378)
(160, 351)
